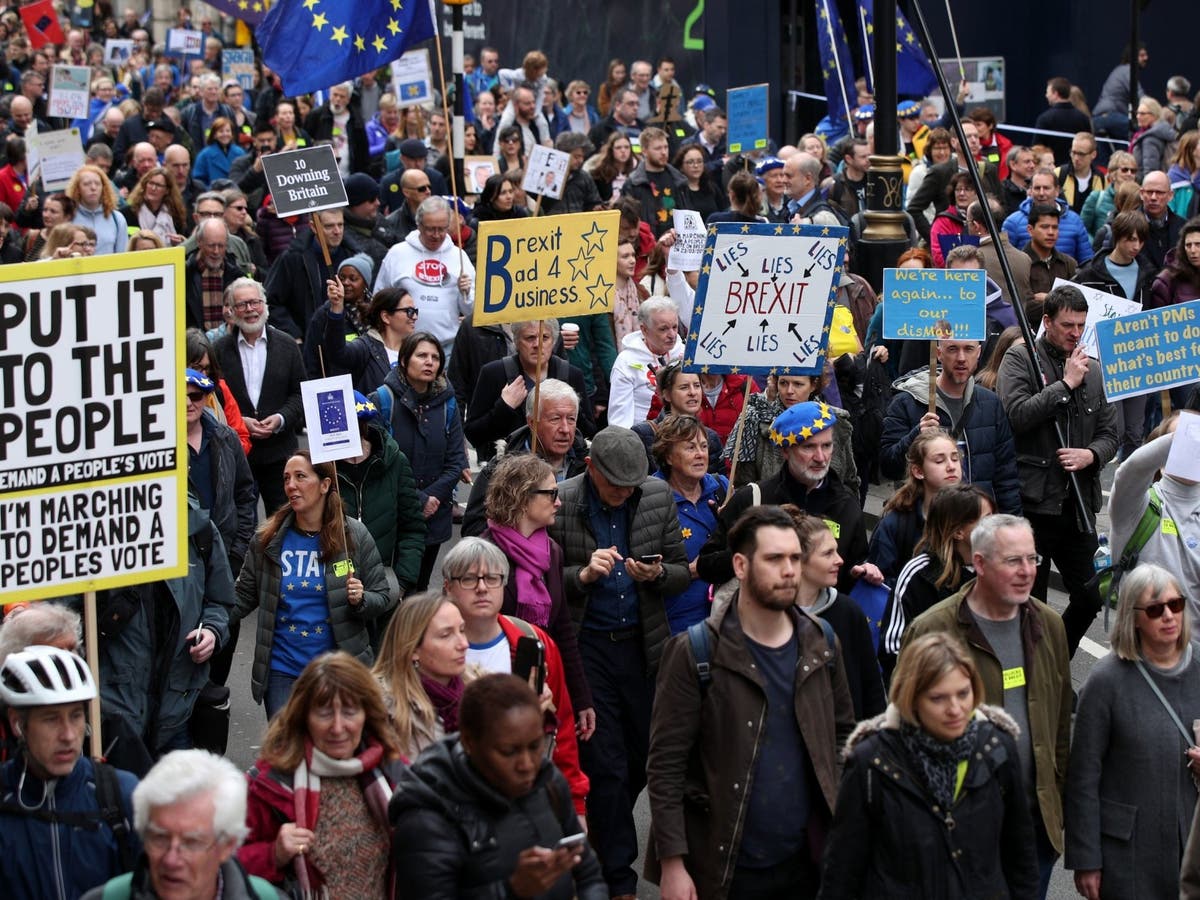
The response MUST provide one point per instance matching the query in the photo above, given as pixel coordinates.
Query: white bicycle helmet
(45, 676)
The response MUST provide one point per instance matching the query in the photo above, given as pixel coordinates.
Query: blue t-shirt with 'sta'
(302, 629)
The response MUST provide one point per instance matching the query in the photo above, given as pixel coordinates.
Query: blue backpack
(385, 401)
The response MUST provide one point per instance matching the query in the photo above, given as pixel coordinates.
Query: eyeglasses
(156, 184)
(1128, 170)
(241, 208)
(510, 140)
(411, 311)
(1013, 562)
(552, 493)
(243, 305)
(421, 189)
(470, 582)
(1156, 610)
(211, 214)
(188, 844)
(195, 396)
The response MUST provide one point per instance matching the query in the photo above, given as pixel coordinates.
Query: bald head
(802, 170)
(22, 112)
(1156, 194)
(179, 163)
(144, 157)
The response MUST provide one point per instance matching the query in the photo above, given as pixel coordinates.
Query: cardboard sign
(117, 51)
(544, 268)
(330, 417)
(93, 464)
(748, 118)
(185, 42)
(935, 304)
(546, 172)
(765, 299)
(54, 156)
(412, 78)
(70, 92)
(238, 64)
(1101, 305)
(304, 180)
(687, 253)
(478, 170)
(1150, 351)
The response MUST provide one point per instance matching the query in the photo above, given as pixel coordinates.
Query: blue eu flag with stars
(249, 11)
(836, 68)
(315, 44)
(914, 73)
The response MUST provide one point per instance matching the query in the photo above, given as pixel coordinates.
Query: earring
(416, 663)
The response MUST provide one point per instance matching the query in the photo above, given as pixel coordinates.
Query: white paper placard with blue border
(934, 304)
(765, 299)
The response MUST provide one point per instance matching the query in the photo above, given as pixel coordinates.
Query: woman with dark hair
(497, 201)
(419, 403)
(155, 204)
(492, 786)
(220, 403)
(931, 802)
(951, 222)
(213, 162)
(510, 148)
(679, 393)
(702, 194)
(616, 74)
(940, 565)
(682, 459)
(745, 201)
(391, 316)
(1179, 282)
(317, 797)
(611, 166)
(56, 209)
(315, 577)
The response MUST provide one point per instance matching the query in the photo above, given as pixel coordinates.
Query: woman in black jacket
(481, 814)
(931, 803)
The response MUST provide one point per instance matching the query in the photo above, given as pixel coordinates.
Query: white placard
(688, 250)
(1184, 459)
(185, 41)
(412, 79)
(70, 92)
(546, 172)
(330, 418)
(117, 51)
(765, 299)
(1101, 305)
(54, 156)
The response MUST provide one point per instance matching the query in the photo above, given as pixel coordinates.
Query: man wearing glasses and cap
(623, 553)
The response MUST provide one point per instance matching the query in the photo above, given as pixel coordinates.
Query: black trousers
(1059, 539)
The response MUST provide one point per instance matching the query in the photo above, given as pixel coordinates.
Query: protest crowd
(567, 568)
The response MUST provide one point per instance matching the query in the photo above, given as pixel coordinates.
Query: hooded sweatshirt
(633, 381)
(431, 277)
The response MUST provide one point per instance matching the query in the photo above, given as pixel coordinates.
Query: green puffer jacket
(380, 493)
(258, 588)
(653, 528)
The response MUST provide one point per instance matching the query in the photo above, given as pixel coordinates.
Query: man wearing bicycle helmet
(64, 819)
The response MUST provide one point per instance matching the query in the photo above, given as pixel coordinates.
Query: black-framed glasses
(422, 189)
(470, 582)
(552, 493)
(195, 396)
(243, 305)
(411, 311)
(1156, 610)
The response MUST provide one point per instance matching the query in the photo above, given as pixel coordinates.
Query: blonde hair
(394, 667)
(923, 663)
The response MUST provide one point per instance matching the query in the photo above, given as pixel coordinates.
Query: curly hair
(173, 198)
(672, 431)
(108, 194)
(331, 676)
(512, 481)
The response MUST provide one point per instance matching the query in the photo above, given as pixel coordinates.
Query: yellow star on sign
(339, 35)
(712, 229)
(699, 310)
(319, 21)
(733, 370)
(379, 44)
(358, 43)
(704, 370)
(825, 231)
(745, 229)
(243, 5)
(779, 229)
(393, 27)
(693, 336)
(688, 361)
(706, 269)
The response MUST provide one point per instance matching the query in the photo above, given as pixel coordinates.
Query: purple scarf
(444, 698)
(531, 556)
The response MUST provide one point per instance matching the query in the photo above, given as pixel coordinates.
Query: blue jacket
(1073, 237)
(213, 162)
(991, 458)
(58, 861)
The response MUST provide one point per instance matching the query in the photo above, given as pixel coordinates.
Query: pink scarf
(531, 556)
(306, 794)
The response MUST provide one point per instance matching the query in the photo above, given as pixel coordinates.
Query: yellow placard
(546, 267)
(1014, 678)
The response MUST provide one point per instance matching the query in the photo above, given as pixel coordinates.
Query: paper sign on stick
(1101, 305)
(687, 252)
(935, 304)
(330, 418)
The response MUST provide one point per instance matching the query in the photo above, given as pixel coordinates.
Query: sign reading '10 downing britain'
(765, 299)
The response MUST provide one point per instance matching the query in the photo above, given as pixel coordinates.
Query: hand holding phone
(572, 842)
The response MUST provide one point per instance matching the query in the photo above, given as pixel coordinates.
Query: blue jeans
(279, 688)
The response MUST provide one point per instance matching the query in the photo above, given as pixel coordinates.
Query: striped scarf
(306, 793)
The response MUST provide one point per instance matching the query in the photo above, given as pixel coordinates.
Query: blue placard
(238, 64)
(765, 299)
(747, 110)
(1150, 351)
(935, 304)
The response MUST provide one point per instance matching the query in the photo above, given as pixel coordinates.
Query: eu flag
(315, 44)
(249, 11)
(914, 73)
(836, 68)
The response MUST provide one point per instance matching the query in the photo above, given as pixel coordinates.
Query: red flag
(41, 22)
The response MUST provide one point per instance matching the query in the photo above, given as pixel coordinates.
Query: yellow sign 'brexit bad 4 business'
(546, 267)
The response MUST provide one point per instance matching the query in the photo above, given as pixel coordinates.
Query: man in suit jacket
(263, 368)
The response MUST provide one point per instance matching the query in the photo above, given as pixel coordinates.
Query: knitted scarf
(938, 760)
(306, 794)
(444, 698)
(531, 556)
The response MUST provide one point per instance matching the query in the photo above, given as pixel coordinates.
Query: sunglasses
(552, 493)
(422, 189)
(411, 311)
(1156, 610)
(197, 396)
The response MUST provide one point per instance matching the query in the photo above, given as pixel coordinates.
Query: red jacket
(12, 191)
(997, 152)
(722, 416)
(566, 748)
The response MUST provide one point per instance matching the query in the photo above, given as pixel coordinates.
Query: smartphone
(530, 657)
(572, 842)
(650, 559)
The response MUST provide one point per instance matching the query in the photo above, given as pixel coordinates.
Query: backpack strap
(262, 888)
(524, 627)
(702, 652)
(1146, 525)
(383, 399)
(830, 640)
(108, 797)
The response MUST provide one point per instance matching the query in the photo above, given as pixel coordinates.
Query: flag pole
(453, 131)
(837, 64)
(862, 20)
(962, 72)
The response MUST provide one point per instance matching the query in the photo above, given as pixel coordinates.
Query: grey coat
(258, 588)
(1130, 798)
(653, 528)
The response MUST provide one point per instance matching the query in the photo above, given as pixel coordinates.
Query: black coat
(890, 838)
(280, 392)
(319, 123)
(234, 511)
(933, 190)
(193, 290)
(296, 283)
(455, 837)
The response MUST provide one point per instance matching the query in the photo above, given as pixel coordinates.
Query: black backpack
(702, 649)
